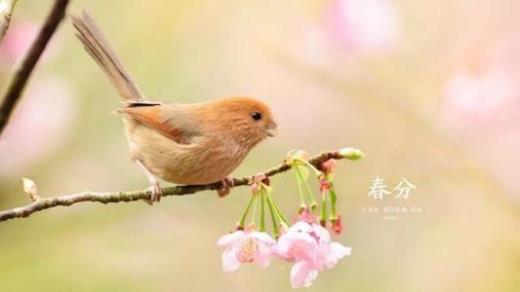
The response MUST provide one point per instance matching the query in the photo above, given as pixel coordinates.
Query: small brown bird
(197, 143)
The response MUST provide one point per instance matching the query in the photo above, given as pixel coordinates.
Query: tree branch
(40, 204)
(22, 75)
(6, 10)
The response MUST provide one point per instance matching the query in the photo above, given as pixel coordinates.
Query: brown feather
(156, 118)
(98, 48)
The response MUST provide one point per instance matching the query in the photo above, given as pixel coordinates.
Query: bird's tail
(98, 48)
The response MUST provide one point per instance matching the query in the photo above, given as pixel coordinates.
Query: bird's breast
(205, 160)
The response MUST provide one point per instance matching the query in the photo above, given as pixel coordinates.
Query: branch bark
(40, 204)
(6, 10)
(22, 75)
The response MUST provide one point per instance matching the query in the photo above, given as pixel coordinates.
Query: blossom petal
(300, 226)
(336, 252)
(302, 275)
(295, 246)
(229, 238)
(321, 232)
(282, 246)
(230, 263)
(263, 256)
(262, 237)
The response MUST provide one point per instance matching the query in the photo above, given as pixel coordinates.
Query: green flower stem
(278, 212)
(317, 172)
(246, 211)
(333, 200)
(303, 181)
(323, 211)
(276, 228)
(300, 189)
(262, 212)
(255, 204)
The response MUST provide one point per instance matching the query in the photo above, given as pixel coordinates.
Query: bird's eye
(256, 116)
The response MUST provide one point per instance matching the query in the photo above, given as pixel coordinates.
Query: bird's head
(247, 120)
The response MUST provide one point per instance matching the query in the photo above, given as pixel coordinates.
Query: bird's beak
(272, 129)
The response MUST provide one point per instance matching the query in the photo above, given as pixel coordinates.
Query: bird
(187, 144)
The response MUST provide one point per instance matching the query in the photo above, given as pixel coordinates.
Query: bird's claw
(225, 188)
(156, 191)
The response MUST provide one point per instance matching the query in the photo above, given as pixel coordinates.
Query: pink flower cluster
(306, 244)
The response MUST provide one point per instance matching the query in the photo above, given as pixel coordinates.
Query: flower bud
(351, 153)
(337, 226)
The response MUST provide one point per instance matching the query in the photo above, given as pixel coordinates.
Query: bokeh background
(429, 90)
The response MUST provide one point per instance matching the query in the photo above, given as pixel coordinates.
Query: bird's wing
(162, 119)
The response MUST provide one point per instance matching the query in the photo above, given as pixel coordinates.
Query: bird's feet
(227, 184)
(154, 188)
(156, 191)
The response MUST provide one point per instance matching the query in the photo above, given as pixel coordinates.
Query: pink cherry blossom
(309, 246)
(245, 247)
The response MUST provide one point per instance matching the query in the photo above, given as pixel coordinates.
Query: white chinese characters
(391, 203)
(378, 189)
(403, 188)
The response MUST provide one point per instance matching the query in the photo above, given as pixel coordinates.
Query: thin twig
(129, 196)
(6, 11)
(22, 75)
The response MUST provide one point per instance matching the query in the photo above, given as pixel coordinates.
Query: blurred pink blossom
(38, 126)
(363, 25)
(308, 245)
(482, 105)
(245, 247)
(484, 88)
(18, 39)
